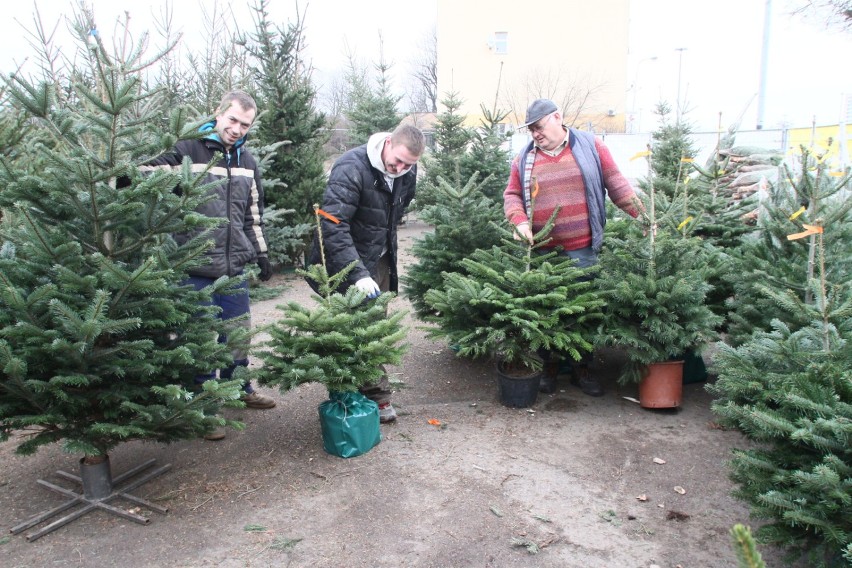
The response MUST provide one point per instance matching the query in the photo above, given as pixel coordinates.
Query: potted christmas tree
(513, 302)
(99, 339)
(343, 342)
(654, 280)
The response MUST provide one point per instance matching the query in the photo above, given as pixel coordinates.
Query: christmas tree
(342, 342)
(99, 339)
(810, 193)
(464, 220)
(655, 283)
(515, 300)
(789, 389)
(452, 139)
(294, 177)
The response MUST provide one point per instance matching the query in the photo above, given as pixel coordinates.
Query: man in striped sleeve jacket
(235, 179)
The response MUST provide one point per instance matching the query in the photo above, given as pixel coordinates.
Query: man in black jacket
(236, 182)
(368, 190)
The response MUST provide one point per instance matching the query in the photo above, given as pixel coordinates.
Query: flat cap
(538, 110)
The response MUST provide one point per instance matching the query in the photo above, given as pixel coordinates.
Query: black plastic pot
(517, 391)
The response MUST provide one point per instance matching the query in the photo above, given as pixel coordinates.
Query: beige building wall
(504, 54)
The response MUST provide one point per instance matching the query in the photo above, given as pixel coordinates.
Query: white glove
(368, 286)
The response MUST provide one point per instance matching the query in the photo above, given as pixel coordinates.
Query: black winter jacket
(239, 200)
(369, 213)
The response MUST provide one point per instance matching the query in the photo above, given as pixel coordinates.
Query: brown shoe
(215, 435)
(256, 400)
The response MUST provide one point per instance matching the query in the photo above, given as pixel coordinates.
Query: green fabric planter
(350, 424)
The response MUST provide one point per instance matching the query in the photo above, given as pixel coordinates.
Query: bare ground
(570, 482)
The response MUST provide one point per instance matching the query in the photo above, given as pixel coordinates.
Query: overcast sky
(714, 48)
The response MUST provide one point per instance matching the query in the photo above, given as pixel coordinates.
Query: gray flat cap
(538, 110)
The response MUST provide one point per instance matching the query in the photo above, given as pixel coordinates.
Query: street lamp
(635, 114)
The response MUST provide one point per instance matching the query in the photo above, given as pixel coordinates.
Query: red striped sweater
(561, 184)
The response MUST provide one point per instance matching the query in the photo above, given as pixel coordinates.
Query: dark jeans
(233, 306)
(586, 258)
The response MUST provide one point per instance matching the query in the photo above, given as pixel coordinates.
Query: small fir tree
(654, 281)
(513, 301)
(375, 109)
(342, 342)
(712, 210)
(451, 142)
(99, 339)
(670, 146)
(464, 220)
(789, 389)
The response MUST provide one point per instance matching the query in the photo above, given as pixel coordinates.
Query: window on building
(501, 42)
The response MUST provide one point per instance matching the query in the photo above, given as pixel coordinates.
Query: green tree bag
(350, 424)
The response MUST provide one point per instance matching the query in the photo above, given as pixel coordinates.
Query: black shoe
(549, 373)
(587, 383)
(547, 384)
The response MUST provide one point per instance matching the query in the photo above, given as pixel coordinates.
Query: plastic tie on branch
(809, 230)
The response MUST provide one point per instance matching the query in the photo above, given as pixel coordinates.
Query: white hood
(374, 151)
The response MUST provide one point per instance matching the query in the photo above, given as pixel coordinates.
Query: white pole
(679, 68)
(764, 60)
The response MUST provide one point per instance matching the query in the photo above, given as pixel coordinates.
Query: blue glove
(265, 268)
(369, 287)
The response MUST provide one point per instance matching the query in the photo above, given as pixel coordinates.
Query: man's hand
(368, 286)
(522, 231)
(265, 268)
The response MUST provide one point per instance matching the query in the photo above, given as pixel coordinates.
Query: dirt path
(564, 477)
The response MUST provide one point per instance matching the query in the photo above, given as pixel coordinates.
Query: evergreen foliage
(810, 195)
(747, 554)
(718, 215)
(671, 144)
(655, 296)
(655, 283)
(342, 342)
(444, 162)
(294, 178)
(284, 238)
(375, 108)
(713, 212)
(464, 220)
(99, 339)
(514, 300)
(486, 154)
(789, 389)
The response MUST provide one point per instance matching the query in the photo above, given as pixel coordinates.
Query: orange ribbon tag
(809, 230)
(329, 216)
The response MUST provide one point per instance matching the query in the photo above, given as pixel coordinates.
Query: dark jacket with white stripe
(239, 199)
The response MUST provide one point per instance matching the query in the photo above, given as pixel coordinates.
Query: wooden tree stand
(98, 490)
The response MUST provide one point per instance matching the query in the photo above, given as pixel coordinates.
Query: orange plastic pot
(662, 385)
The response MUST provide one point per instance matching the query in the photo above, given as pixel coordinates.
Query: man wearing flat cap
(575, 172)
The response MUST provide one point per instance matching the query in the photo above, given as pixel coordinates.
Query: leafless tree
(574, 94)
(423, 95)
(834, 13)
(218, 67)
